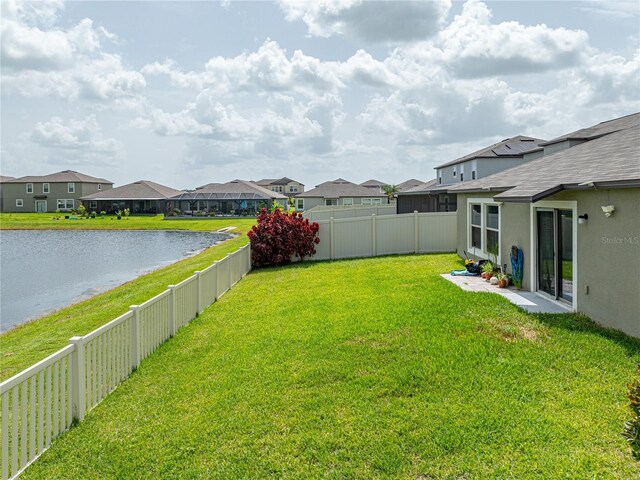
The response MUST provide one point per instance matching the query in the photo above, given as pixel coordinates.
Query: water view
(43, 270)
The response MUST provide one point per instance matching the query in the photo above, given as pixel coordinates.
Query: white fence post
(198, 293)
(78, 378)
(135, 337)
(229, 269)
(172, 310)
(374, 246)
(416, 238)
(332, 242)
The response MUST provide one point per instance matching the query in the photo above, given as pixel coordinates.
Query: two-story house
(48, 193)
(433, 196)
(283, 185)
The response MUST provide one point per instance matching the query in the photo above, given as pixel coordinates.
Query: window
(473, 174)
(439, 177)
(461, 173)
(99, 186)
(331, 201)
(476, 226)
(45, 188)
(376, 201)
(19, 202)
(65, 203)
(29, 187)
(455, 171)
(71, 187)
(366, 201)
(474, 169)
(347, 201)
(299, 203)
(293, 189)
(484, 226)
(93, 205)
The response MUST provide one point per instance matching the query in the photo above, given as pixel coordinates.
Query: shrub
(103, 213)
(280, 236)
(632, 427)
(93, 214)
(82, 211)
(126, 212)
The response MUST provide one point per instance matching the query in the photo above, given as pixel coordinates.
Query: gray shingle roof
(409, 184)
(340, 188)
(140, 190)
(603, 128)
(427, 187)
(510, 147)
(612, 159)
(62, 177)
(234, 190)
(276, 181)
(4, 178)
(373, 183)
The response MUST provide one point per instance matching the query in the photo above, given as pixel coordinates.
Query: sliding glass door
(555, 252)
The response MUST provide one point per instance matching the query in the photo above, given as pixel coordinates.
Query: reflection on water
(41, 270)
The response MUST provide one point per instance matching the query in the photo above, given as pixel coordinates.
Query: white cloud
(381, 21)
(75, 141)
(66, 63)
(616, 9)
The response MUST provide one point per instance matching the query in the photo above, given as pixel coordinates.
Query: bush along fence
(41, 402)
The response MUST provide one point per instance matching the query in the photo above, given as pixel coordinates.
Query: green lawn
(33, 341)
(373, 368)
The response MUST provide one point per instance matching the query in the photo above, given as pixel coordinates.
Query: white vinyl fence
(384, 235)
(40, 403)
(322, 212)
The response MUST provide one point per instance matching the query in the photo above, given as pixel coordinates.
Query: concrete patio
(529, 301)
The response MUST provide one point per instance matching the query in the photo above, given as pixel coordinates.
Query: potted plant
(502, 280)
(119, 214)
(487, 269)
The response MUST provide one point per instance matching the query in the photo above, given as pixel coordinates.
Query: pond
(43, 270)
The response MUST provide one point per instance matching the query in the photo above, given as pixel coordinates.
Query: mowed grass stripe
(373, 368)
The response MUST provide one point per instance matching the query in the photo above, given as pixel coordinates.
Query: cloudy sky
(188, 93)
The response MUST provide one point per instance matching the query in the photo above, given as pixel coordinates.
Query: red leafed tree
(279, 237)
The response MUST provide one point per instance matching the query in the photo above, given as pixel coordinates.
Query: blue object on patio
(463, 273)
(517, 265)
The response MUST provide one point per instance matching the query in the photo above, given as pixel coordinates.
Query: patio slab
(529, 301)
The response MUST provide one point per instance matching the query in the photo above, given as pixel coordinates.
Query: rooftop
(140, 190)
(61, 177)
(507, 148)
(340, 188)
(233, 190)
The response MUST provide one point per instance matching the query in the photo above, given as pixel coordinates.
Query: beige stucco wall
(609, 257)
(608, 251)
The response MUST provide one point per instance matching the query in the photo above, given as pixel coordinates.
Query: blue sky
(187, 93)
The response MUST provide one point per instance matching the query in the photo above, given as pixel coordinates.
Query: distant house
(339, 192)
(141, 197)
(283, 185)
(435, 196)
(409, 184)
(48, 193)
(574, 214)
(3, 179)
(375, 185)
(237, 197)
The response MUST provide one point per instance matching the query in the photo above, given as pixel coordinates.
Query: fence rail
(41, 402)
(386, 234)
(323, 212)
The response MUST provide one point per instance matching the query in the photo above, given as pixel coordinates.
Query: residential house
(141, 197)
(435, 196)
(574, 214)
(3, 179)
(339, 192)
(375, 185)
(408, 184)
(237, 197)
(283, 185)
(48, 193)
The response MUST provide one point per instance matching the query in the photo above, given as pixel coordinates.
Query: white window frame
(47, 189)
(299, 203)
(99, 186)
(462, 172)
(71, 187)
(347, 201)
(376, 201)
(293, 189)
(482, 251)
(19, 203)
(29, 187)
(365, 201)
(67, 202)
(439, 177)
(455, 171)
